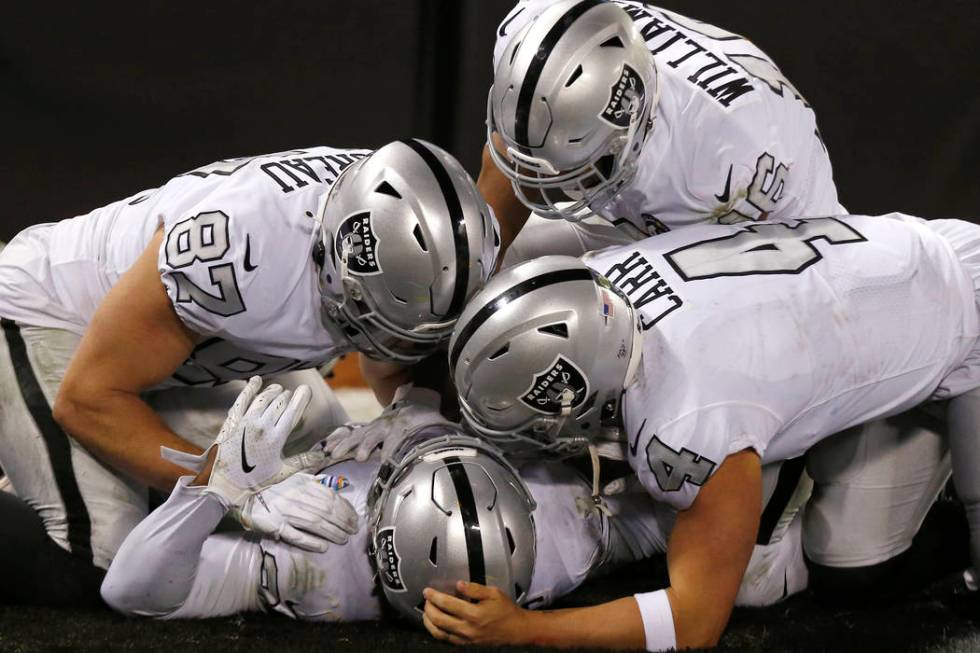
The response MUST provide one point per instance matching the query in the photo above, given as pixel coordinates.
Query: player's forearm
(154, 571)
(499, 193)
(614, 625)
(123, 431)
(384, 378)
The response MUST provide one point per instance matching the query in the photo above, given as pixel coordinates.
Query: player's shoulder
(274, 175)
(675, 452)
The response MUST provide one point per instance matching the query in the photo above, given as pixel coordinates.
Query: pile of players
(675, 306)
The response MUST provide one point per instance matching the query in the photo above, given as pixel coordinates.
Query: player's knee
(938, 548)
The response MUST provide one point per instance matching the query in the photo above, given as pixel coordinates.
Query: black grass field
(943, 618)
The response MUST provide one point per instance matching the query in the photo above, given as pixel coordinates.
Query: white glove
(301, 511)
(410, 409)
(249, 457)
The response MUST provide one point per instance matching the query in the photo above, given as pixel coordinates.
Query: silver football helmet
(406, 240)
(573, 101)
(541, 356)
(447, 507)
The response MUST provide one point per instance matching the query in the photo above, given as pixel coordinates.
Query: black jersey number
(204, 238)
(762, 248)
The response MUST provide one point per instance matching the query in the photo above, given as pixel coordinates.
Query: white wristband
(658, 620)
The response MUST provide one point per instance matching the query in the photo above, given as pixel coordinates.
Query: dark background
(99, 100)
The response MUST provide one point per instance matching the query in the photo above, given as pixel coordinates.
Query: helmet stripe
(460, 236)
(471, 520)
(509, 295)
(530, 83)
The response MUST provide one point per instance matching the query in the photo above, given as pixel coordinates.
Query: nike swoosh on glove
(411, 409)
(250, 443)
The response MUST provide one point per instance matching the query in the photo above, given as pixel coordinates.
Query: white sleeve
(171, 565)
(200, 262)
(675, 460)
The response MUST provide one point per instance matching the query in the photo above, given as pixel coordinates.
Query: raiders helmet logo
(357, 244)
(561, 384)
(389, 564)
(624, 94)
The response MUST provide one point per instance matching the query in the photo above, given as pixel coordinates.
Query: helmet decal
(461, 242)
(561, 385)
(389, 563)
(528, 87)
(357, 244)
(625, 96)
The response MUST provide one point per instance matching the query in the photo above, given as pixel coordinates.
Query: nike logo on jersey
(248, 255)
(636, 441)
(245, 466)
(726, 194)
(503, 26)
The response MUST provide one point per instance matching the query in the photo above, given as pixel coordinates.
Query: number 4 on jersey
(762, 248)
(672, 468)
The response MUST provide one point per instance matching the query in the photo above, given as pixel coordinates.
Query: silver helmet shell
(447, 507)
(406, 240)
(541, 356)
(572, 101)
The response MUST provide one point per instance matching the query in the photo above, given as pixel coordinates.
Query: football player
(717, 349)
(264, 265)
(646, 118)
(443, 507)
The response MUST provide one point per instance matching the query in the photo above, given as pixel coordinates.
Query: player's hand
(249, 445)
(491, 619)
(300, 511)
(410, 409)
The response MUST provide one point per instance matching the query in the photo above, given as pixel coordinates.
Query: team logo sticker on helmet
(389, 564)
(622, 96)
(357, 244)
(561, 384)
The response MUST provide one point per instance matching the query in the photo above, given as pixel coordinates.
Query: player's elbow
(67, 406)
(700, 638)
(73, 404)
(708, 639)
(134, 595)
(116, 595)
(702, 630)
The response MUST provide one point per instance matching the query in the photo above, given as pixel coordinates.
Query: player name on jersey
(724, 76)
(645, 287)
(289, 172)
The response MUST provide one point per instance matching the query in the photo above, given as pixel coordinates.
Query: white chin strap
(636, 356)
(597, 503)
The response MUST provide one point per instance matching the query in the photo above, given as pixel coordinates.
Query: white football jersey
(236, 261)
(733, 139)
(773, 336)
(237, 573)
